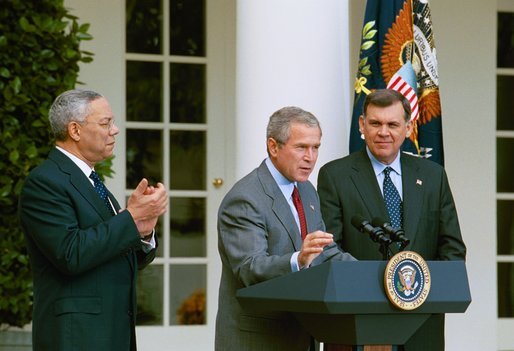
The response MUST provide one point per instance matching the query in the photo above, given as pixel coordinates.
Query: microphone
(396, 234)
(375, 233)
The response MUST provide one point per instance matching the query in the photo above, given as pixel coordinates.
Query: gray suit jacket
(257, 234)
(349, 187)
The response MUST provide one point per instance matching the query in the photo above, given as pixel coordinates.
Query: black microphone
(375, 233)
(396, 234)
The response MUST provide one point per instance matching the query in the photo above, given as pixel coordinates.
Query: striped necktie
(301, 214)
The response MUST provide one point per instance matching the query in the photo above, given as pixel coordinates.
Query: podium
(345, 302)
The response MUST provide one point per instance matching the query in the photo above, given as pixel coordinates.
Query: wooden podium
(345, 302)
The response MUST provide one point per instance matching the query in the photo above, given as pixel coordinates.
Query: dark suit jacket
(349, 187)
(84, 261)
(257, 235)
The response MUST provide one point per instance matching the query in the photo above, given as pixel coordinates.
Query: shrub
(39, 59)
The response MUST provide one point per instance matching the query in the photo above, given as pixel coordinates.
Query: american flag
(399, 84)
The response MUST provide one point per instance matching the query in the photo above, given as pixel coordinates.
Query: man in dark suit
(260, 234)
(84, 249)
(353, 185)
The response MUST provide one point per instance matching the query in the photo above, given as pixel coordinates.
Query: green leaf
(370, 34)
(84, 28)
(46, 53)
(5, 190)
(367, 27)
(84, 36)
(4, 72)
(31, 152)
(367, 44)
(366, 70)
(24, 23)
(16, 85)
(37, 123)
(14, 156)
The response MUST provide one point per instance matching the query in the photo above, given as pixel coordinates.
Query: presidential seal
(407, 280)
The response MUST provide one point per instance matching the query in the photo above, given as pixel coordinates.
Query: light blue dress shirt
(396, 175)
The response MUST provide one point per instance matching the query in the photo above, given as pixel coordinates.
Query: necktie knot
(101, 190)
(297, 201)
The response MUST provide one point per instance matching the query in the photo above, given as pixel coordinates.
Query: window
(504, 172)
(166, 141)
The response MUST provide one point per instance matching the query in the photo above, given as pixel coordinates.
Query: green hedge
(39, 57)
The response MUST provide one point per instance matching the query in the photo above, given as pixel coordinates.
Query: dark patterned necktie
(101, 190)
(301, 214)
(392, 200)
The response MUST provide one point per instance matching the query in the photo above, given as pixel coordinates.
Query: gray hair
(279, 125)
(72, 105)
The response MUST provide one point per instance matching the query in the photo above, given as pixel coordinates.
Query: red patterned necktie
(301, 215)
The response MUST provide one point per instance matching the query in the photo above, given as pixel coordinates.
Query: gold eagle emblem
(399, 48)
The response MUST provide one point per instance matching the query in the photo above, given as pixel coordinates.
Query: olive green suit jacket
(84, 261)
(349, 187)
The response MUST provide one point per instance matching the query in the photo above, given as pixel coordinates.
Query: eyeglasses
(105, 125)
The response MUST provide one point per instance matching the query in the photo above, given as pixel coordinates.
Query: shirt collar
(378, 167)
(84, 167)
(285, 185)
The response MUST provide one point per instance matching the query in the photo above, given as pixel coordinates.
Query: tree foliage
(39, 59)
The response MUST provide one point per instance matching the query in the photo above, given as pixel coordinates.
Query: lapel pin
(419, 182)
(312, 207)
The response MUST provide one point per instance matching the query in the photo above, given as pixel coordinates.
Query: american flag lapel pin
(419, 182)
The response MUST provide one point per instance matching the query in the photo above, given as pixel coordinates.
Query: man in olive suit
(84, 249)
(355, 185)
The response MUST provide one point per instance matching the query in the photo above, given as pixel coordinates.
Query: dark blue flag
(398, 52)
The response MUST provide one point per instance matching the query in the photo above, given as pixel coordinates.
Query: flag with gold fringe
(397, 51)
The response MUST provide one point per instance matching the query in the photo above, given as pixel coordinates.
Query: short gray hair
(279, 125)
(72, 105)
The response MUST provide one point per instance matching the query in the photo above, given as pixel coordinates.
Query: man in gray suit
(260, 234)
(353, 185)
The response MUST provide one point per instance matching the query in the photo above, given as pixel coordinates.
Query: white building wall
(466, 47)
(290, 52)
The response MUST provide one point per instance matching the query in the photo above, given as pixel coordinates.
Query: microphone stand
(385, 251)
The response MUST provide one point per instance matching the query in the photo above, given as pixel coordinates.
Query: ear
(272, 147)
(361, 124)
(410, 128)
(74, 131)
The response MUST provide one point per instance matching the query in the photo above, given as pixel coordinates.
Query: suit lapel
(84, 187)
(80, 182)
(366, 184)
(413, 191)
(280, 205)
